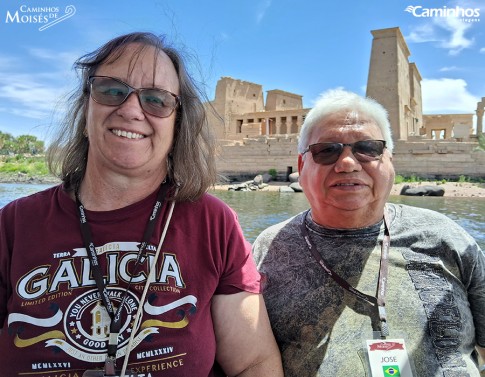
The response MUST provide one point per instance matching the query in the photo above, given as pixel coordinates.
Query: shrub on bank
(24, 164)
(414, 179)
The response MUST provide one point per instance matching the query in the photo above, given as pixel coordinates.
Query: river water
(258, 210)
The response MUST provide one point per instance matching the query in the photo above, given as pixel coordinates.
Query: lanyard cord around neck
(98, 277)
(380, 300)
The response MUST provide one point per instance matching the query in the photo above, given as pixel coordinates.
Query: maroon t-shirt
(50, 309)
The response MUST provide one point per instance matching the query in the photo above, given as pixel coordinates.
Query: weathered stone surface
(267, 178)
(295, 186)
(286, 189)
(422, 191)
(258, 179)
(293, 177)
(254, 185)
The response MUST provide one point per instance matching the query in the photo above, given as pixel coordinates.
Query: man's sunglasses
(113, 92)
(364, 151)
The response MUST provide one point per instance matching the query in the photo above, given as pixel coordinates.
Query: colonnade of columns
(283, 124)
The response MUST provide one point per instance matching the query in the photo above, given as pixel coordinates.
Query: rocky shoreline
(25, 178)
(452, 189)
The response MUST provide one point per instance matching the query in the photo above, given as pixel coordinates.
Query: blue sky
(300, 46)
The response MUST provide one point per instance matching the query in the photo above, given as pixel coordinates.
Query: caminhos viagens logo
(464, 14)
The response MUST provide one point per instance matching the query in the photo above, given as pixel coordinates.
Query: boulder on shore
(422, 191)
(295, 186)
(293, 177)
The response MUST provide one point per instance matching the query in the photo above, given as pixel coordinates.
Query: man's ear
(389, 154)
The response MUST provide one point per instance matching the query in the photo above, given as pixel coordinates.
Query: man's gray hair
(337, 101)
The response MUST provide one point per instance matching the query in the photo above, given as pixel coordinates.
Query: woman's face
(125, 139)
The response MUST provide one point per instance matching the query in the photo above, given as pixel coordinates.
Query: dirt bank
(452, 189)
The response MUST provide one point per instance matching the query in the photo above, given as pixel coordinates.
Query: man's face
(348, 193)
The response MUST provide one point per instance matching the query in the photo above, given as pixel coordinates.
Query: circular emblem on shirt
(87, 321)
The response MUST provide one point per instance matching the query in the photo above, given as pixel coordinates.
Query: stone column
(479, 121)
(299, 122)
(480, 111)
(284, 122)
(278, 126)
(289, 121)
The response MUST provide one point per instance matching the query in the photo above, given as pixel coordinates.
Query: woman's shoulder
(208, 203)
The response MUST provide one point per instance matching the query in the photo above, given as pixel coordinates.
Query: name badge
(388, 358)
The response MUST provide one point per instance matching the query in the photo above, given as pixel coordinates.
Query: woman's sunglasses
(364, 151)
(113, 92)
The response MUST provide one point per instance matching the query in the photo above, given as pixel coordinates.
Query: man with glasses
(357, 286)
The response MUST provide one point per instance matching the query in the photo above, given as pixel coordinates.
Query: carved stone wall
(428, 159)
(439, 159)
(252, 156)
(256, 137)
(447, 126)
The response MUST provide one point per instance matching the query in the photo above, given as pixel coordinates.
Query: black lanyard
(380, 301)
(98, 277)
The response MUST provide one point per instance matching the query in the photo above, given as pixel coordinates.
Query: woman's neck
(114, 191)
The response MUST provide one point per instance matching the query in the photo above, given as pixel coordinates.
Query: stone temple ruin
(256, 136)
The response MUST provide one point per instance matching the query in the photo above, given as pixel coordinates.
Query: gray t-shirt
(435, 296)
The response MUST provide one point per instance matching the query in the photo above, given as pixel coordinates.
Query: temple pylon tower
(396, 83)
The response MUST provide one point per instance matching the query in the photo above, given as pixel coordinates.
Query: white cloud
(28, 92)
(482, 50)
(445, 32)
(25, 91)
(60, 59)
(223, 36)
(457, 40)
(7, 62)
(261, 11)
(423, 33)
(449, 69)
(447, 96)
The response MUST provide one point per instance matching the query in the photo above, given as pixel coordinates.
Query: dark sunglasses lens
(368, 150)
(157, 102)
(108, 91)
(326, 153)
